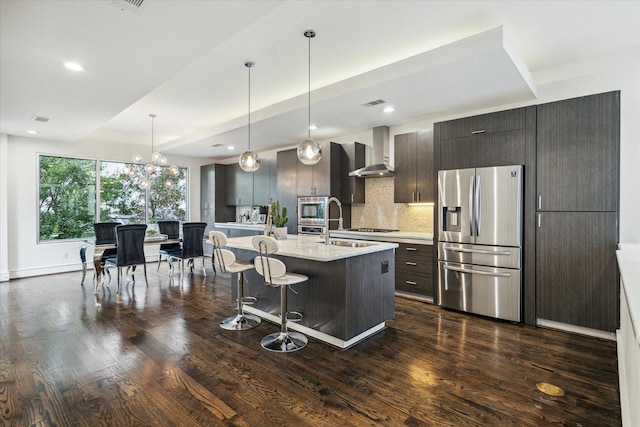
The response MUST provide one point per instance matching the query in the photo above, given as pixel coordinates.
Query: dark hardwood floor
(158, 357)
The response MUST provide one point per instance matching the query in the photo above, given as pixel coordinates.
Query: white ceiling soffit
(472, 73)
(130, 51)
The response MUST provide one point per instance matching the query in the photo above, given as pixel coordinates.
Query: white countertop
(629, 264)
(312, 248)
(240, 225)
(415, 237)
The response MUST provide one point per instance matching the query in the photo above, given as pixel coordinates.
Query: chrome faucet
(326, 232)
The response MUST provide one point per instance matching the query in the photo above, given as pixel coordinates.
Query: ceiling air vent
(135, 6)
(40, 119)
(372, 103)
(216, 145)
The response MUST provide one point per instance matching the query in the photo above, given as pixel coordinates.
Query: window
(70, 194)
(67, 198)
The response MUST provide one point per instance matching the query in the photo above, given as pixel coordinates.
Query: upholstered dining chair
(228, 263)
(130, 244)
(105, 234)
(192, 247)
(172, 230)
(275, 274)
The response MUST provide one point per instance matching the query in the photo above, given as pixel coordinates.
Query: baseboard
(576, 329)
(4, 276)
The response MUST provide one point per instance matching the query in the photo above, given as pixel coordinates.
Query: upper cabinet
(213, 207)
(265, 185)
(251, 188)
(324, 178)
(352, 187)
(495, 139)
(413, 158)
(578, 154)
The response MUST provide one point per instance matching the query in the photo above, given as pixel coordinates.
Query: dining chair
(105, 234)
(172, 229)
(275, 274)
(130, 244)
(192, 247)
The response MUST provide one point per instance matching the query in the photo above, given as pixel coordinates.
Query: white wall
(4, 241)
(18, 162)
(27, 257)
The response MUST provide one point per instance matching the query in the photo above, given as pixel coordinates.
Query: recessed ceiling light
(73, 66)
(313, 127)
(388, 109)
(32, 132)
(231, 147)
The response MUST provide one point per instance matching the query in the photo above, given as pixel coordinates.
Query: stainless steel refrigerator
(480, 241)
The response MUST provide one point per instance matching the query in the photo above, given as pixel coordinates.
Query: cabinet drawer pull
(410, 249)
(476, 132)
(410, 263)
(409, 282)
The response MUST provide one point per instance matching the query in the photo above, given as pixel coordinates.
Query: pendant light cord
(249, 103)
(309, 89)
(153, 116)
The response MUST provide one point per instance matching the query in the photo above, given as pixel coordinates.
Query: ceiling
(184, 61)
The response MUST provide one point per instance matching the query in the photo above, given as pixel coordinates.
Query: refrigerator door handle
(470, 271)
(478, 216)
(475, 251)
(472, 181)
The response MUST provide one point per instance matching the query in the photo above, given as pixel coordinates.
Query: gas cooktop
(371, 230)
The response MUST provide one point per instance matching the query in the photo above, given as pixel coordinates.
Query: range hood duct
(380, 167)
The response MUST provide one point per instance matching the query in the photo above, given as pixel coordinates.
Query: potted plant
(280, 220)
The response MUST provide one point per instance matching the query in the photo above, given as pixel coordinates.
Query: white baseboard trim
(329, 339)
(576, 329)
(4, 276)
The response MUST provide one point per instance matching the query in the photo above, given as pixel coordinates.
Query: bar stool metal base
(284, 342)
(240, 322)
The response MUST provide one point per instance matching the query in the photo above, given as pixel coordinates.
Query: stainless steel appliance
(313, 215)
(480, 240)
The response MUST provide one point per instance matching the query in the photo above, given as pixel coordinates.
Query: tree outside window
(69, 189)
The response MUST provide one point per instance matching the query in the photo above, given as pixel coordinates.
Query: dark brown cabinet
(578, 152)
(287, 177)
(265, 187)
(213, 207)
(577, 211)
(239, 186)
(414, 171)
(324, 178)
(576, 270)
(414, 269)
(494, 139)
(353, 188)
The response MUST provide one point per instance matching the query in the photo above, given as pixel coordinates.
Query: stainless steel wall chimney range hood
(380, 167)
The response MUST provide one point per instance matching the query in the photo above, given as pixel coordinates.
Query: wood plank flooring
(158, 357)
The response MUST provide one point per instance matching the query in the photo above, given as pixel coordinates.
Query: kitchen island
(349, 294)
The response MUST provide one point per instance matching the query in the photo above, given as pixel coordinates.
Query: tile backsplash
(379, 211)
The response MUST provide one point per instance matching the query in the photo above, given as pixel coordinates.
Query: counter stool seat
(228, 263)
(275, 274)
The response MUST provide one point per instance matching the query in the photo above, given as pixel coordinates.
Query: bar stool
(229, 264)
(275, 274)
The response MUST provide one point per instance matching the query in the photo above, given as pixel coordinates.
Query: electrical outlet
(65, 255)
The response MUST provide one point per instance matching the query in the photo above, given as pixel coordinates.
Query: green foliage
(279, 219)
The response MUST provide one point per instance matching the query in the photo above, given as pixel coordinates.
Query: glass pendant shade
(309, 152)
(137, 158)
(174, 170)
(249, 161)
(150, 168)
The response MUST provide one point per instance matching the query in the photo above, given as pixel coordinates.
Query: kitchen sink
(350, 243)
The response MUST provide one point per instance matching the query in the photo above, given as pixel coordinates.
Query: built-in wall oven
(313, 215)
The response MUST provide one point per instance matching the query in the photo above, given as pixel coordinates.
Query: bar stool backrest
(266, 266)
(218, 239)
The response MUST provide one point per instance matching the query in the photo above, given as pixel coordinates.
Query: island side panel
(342, 298)
(371, 295)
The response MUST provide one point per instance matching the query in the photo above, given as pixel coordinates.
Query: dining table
(98, 250)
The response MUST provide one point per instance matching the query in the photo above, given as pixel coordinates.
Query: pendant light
(309, 151)
(249, 161)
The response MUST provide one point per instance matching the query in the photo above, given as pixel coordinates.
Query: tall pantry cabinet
(577, 198)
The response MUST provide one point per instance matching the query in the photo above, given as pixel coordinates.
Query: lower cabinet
(576, 272)
(414, 269)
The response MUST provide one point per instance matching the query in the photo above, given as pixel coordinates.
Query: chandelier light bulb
(174, 170)
(137, 158)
